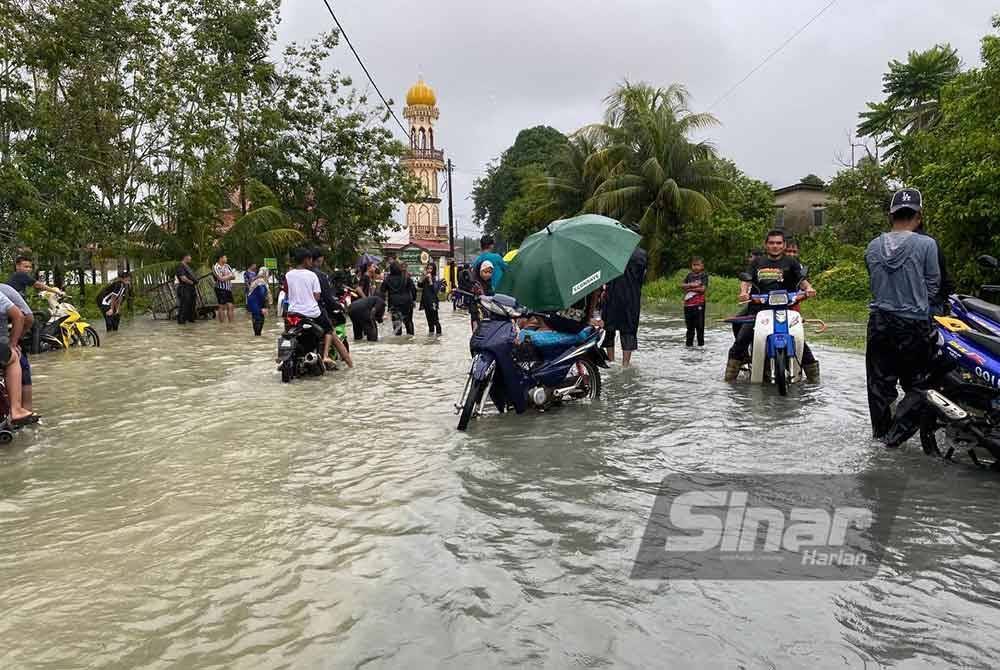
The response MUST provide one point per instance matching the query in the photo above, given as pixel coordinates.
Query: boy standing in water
(694, 286)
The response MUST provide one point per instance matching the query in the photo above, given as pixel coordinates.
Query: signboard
(411, 255)
(271, 263)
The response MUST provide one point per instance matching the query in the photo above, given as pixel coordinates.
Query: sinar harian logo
(769, 527)
(738, 529)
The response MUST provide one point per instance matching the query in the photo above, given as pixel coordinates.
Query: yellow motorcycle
(65, 327)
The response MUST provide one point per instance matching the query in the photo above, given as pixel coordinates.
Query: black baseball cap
(907, 198)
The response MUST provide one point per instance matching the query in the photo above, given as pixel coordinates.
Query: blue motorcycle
(962, 392)
(517, 369)
(976, 312)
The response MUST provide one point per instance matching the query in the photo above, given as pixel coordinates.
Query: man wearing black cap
(905, 277)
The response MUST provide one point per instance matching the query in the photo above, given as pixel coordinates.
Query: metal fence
(163, 299)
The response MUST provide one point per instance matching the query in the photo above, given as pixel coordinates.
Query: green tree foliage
(125, 126)
(812, 180)
(859, 202)
(737, 225)
(959, 165)
(913, 90)
(657, 179)
(529, 212)
(502, 184)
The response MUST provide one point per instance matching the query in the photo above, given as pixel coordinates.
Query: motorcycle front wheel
(89, 337)
(472, 398)
(781, 371)
(287, 370)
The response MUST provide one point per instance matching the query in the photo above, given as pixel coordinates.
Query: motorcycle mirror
(988, 262)
(745, 277)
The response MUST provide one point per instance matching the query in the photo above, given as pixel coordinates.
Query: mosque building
(428, 236)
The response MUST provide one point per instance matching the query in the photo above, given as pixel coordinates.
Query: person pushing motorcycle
(773, 271)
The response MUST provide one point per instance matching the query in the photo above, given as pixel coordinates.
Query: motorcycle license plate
(285, 344)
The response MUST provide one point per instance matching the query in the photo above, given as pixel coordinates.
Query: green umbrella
(566, 261)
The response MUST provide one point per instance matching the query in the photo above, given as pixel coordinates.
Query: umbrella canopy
(366, 260)
(509, 256)
(568, 260)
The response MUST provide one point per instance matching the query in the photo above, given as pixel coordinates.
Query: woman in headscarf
(258, 299)
(481, 285)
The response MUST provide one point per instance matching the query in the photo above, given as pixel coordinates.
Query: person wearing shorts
(12, 294)
(224, 275)
(621, 308)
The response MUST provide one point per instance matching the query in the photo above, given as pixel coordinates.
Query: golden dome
(421, 94)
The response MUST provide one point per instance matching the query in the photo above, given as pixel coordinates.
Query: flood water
(181, 508)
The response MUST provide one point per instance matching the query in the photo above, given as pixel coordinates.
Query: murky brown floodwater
(180, 508)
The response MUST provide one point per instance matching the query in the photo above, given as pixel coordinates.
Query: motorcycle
(65, 327)
(976, 312)
(961, 393)
(517, 376)
(6, 431)
(778, 339)
(300, 348)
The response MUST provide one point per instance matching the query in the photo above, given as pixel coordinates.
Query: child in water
(694, 286)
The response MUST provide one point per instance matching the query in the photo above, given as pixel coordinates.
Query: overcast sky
(499, 67)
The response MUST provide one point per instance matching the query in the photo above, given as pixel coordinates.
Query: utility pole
(451, 230)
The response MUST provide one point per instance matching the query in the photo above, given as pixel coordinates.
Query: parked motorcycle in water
(975, 311)
(65, 327)
(517, 376)
(961, 394)
(300, 348)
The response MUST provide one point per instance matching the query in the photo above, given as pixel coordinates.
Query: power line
(347, 39)
(773, 53)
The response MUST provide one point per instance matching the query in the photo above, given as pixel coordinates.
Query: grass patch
(845, 319)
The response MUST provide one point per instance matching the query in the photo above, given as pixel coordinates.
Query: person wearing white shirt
(304, 295)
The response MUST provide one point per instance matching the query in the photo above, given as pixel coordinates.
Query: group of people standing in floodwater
(363, 295)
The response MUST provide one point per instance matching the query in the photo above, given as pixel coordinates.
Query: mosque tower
(425, 161)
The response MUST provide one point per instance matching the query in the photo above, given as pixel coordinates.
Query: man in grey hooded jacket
(905, 277)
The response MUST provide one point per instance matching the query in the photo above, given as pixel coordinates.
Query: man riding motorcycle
(304, 296)
(773, 271)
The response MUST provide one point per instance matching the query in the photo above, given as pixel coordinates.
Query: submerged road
(179, 507)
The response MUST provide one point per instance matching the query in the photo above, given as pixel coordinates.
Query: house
(801, 208)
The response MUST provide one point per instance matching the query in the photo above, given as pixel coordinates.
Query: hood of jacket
(894, 248)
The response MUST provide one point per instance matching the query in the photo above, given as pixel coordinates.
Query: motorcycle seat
(987, 342)
(983, 308)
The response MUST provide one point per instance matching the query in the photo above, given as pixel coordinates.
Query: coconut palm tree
(573, 176)
(655, 178)
(260, 233)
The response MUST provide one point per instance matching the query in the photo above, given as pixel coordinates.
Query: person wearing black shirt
(429, 301)
(186, 282)
(400, 293)
(771, 272)
(110, 300)
(330, 305)
(22, 278)
(365, 313)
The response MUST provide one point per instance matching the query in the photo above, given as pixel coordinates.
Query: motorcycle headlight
(777, 298)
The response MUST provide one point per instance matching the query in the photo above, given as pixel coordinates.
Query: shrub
(846, 280)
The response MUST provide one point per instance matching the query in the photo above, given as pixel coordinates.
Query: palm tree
(655, 178)
(913, 91)
(260, 233)
(573, 176)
